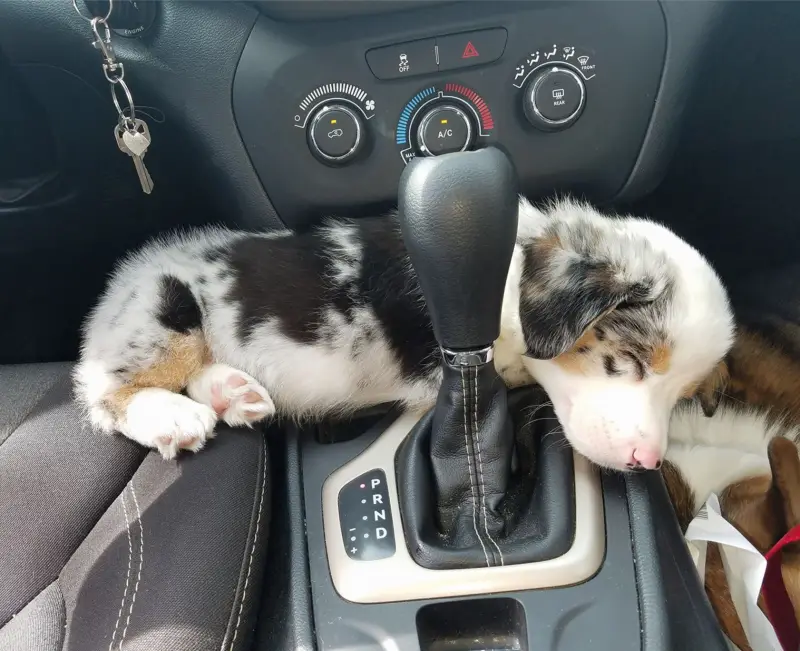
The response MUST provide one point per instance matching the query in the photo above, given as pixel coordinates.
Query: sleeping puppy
(616, 317)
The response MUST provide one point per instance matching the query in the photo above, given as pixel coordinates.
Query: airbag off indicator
(443, 119)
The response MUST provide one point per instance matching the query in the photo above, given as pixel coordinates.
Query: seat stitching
(141, 563)
(480, 470)
(472, 486)
(254, 546)
(128, 576)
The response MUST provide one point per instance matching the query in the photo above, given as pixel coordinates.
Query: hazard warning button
(471, 48)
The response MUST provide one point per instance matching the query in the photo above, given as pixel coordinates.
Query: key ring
(129, 121)
(89, 20)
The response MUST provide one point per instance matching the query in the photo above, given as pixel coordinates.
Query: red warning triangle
(469, 51)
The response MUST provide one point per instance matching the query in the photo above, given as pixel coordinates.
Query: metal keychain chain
(132, 134)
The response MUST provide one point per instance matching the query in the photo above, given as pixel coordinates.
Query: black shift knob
(458, 215)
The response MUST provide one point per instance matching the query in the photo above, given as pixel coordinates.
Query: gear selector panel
(366, 517)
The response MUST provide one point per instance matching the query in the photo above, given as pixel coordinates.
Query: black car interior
(353, 535)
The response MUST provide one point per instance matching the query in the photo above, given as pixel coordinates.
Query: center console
(473, 526)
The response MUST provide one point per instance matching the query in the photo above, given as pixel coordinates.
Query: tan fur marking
(547, 245)
(661, 359)
(574, 360)
(185, 356)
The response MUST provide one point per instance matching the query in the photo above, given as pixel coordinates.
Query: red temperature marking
(487, 121)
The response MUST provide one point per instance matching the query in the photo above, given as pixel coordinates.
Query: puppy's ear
(710, 391)
(563, 294)
(785, 464)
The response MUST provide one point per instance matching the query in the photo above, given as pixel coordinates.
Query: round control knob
(554, 98)
(335, 134)
(444, 129)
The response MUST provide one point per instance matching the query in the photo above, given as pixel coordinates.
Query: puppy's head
(621, 318)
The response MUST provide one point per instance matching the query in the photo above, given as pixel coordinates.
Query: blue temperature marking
(405, 116)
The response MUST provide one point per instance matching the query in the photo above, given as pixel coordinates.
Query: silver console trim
(468, 358)
(399, 578)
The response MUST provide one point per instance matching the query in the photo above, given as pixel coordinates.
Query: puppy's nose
(649, 459)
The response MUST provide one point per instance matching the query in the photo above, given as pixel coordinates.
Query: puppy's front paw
(236, 397)
(168, 422)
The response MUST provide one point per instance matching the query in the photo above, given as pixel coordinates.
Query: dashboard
(331, 116)
(291, 109)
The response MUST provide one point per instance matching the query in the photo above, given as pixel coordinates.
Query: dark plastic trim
(286, 617)
(690, 26)
(674, 610)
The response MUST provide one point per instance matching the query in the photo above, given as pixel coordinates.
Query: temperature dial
(554, 98)
(335, 134)
(444, 129)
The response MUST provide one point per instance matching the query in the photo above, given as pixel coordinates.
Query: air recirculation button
(335, 134)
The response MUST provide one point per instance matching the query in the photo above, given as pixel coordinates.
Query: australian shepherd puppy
(616, 317)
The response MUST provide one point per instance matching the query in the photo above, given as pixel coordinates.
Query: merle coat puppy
(616, 317)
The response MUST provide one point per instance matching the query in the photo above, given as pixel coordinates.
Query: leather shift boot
(479, 483)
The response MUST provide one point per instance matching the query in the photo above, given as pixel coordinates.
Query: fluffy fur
(616, 317)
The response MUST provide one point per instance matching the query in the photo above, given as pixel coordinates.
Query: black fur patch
(178, 309)
(291, 280)
(281, 278)
(554, 319)
(391, 289)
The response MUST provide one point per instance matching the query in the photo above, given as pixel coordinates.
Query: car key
(134, 141)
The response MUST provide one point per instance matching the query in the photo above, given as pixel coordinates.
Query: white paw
(168, 422)
(237, 398)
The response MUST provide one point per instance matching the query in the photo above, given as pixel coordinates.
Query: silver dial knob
(444, 129)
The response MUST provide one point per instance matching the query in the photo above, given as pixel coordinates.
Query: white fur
(168, 421)
(713, 453)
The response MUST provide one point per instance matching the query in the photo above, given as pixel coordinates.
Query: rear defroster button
(554, 98)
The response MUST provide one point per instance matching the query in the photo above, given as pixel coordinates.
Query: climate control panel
(566, 91)
(443, 119)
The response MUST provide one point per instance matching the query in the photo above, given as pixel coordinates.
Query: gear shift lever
(462, 503)
(458, 215)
